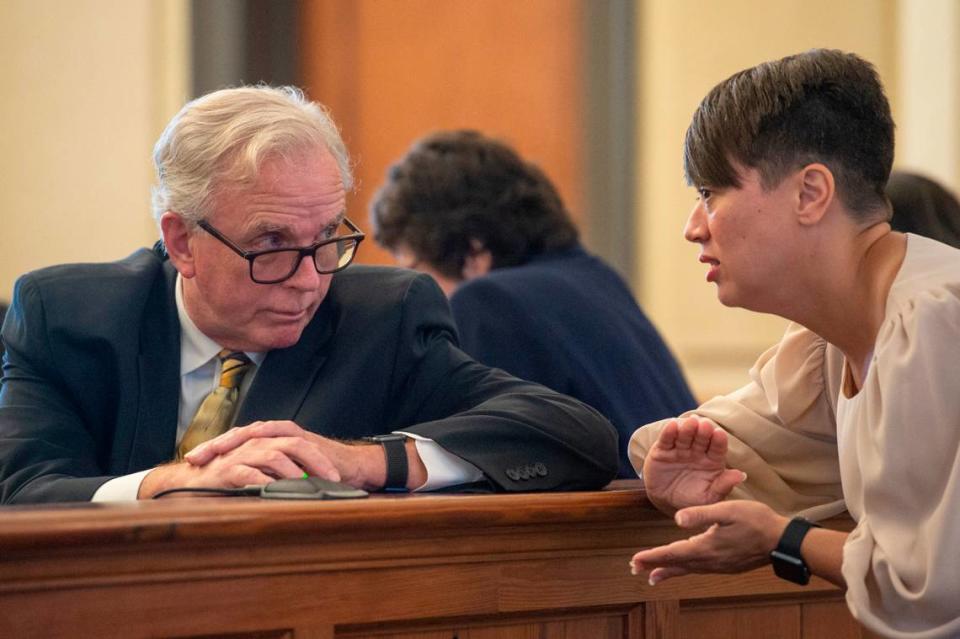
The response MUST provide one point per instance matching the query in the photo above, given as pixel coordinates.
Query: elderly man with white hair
(239, 351)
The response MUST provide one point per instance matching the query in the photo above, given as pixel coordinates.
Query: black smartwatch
(395, 449)
(787, 561)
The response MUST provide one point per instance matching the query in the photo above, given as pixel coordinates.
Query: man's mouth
(290, 314)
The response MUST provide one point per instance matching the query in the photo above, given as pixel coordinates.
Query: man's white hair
(225, 136)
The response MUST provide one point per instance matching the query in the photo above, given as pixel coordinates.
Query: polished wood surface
(403, 567)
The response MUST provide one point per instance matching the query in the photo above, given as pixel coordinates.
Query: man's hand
(233, 471)
(265, 451)
(739, 536)
(687, 466)
(259, 454)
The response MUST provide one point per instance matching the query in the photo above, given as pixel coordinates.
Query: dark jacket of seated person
(3, 314)
(526, 297)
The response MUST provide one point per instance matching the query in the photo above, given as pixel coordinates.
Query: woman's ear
(477, 262)
(176, 238)
(816, 193)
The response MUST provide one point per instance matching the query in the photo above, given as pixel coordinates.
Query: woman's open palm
(687, 466)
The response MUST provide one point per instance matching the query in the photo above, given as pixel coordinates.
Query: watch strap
(787, 560)
(395, 451)
(793, 534)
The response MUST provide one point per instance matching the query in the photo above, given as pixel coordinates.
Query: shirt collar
(196, 349)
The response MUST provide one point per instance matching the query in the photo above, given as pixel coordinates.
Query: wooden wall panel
(598, 627)
(662, 619)
(734, 622)
(392, 71)
(831, 619)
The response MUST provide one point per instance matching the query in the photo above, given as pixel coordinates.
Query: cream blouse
(890, 454)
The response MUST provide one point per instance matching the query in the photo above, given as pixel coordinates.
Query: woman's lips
(714, 271)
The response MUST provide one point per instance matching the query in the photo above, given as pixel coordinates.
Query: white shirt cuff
(123, 488)
(443, 468)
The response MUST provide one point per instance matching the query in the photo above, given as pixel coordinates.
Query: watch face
(790, 568)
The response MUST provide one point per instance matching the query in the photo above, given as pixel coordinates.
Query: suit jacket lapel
(159, 377)
(287, 375)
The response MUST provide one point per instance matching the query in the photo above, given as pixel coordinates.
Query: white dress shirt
(199, 376)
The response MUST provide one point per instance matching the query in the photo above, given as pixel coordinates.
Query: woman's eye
(704, 193)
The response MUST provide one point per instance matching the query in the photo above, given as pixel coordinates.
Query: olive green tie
(215, 415)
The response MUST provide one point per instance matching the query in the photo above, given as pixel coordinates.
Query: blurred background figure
(924, 207)
(3, 314)
(526, 296)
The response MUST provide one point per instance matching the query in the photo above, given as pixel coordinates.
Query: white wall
(88, 86)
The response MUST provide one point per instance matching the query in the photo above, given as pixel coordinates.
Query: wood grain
(404, 567)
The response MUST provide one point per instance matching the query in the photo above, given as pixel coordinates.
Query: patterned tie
(215, 415)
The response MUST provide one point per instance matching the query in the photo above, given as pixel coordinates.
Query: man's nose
(306, 276)
(696, 227)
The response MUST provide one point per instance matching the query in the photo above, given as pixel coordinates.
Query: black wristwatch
(787, 561)
(395, 449)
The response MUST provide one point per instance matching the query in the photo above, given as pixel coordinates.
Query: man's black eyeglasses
(276, 265)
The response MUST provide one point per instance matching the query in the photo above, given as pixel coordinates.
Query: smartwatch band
(787, 561)
(395, 450)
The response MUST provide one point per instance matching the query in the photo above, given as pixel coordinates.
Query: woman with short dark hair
(858, 406)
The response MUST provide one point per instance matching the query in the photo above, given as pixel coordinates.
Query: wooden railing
(545, 565)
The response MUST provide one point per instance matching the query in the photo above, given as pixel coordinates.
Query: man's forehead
(266, 222)
(307, 159)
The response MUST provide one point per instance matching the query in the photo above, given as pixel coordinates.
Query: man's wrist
(157, 480)
(397, 469)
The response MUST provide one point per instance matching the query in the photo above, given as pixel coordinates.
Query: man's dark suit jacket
(568, 321)
(92, 383)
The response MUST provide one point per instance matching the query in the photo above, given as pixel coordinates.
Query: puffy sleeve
(782, 427)
(901, 447)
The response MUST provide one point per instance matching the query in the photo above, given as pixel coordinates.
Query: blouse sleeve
(782, 427)
(902, 444)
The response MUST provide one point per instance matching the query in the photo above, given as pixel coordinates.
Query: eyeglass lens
(279, 265)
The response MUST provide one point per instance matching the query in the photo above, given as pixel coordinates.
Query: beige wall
(88, 85)
(929, 88)
(684, 48)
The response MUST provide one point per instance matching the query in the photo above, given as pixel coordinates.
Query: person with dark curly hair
(526, 297)
(923, 206)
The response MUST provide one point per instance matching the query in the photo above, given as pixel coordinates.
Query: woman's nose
(696, 228)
